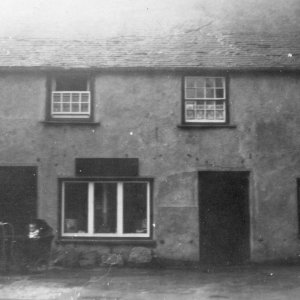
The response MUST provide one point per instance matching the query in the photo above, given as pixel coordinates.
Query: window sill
(206, 126)
(71, 122)
(109, 242)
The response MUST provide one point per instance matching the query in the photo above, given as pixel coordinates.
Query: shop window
(105, 208)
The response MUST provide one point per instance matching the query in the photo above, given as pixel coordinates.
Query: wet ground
(240, 283)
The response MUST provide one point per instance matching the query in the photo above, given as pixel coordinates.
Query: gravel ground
(238, 283)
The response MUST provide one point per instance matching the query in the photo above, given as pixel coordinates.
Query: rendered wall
(139, 114)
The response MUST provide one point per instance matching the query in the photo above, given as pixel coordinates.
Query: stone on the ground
(68, 257)
(140, 255)
(114, 259)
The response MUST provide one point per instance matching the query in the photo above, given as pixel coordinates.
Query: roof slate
(192, 49)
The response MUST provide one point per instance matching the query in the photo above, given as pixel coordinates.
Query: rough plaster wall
(269, 120)
(139, 114)
(140, 117)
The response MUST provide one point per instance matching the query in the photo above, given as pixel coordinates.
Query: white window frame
(203, 101)
(70, 96)
(90, 221)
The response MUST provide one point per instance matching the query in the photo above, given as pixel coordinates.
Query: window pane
(200, 115)
(210, 115)
(219, 93)
(105, 208)
(200, 105)
(75, 107)
(220, 115)
(66, 97)
(190, 115)
(56, 107)
(210, 104)
(190, 82)
(84, 97)
(210, 93)
(210, 82)
(71, 82)
(56, 97)
(135, 207)
(200, 82)
(190, 93)
(66, 107)
(76, 207)
(189, 104)
(200, 93)
(75, 97)
(84, 107)
(219, 82)
(220, 106)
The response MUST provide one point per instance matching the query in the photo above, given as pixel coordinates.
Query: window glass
(219, 93)
(76, 207)
(204, 99)
(110, 209)
(71, 83)
(209, 93)
(190, 93)
(70, 97)
(210, 82)
(135, 207)
(105, 208)
(200, 93)
(219, 82)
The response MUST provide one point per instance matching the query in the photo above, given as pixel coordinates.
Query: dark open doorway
(224, 217)
(18, 196)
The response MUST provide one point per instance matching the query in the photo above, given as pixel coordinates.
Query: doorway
(18, 196)
(224, 217)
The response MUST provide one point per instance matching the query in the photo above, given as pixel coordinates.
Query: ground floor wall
(273, 214)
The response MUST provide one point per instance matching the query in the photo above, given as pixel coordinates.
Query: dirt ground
(239, 283)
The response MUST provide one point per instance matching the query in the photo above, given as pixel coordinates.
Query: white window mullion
(119, 208)
(71, 101)
(91, 208)
(61, 102)
(80, 102)
(148, 209)
(215, 108)
(63, 209)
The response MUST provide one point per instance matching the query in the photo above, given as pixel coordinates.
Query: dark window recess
(76, 206)
(18, 196)
(71, 83)
(107, 167)
(134, 206)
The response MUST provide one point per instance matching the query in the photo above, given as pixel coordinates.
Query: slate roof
(190, 49)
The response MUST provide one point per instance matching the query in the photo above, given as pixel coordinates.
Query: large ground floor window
(105, 208)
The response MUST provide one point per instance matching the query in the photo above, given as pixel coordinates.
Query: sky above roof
(90, 19)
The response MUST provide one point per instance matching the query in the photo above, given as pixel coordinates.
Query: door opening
(224, 217)
(18, 196)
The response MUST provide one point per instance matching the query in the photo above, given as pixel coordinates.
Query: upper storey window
(204, 100)
(71, 97)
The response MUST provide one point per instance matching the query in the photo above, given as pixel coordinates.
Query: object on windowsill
(71, 225)
(143, 227)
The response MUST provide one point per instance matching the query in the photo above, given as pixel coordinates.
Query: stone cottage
(187, 145)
